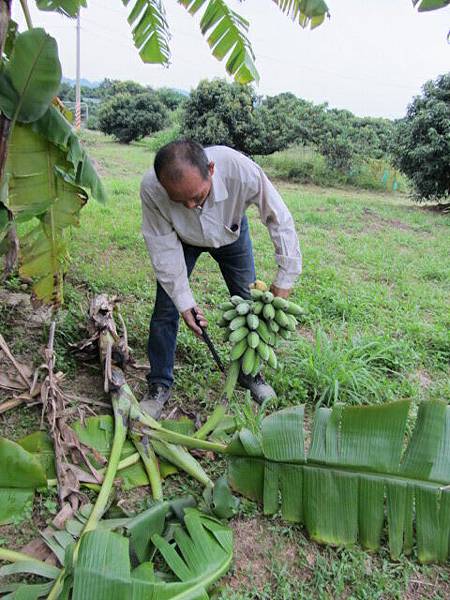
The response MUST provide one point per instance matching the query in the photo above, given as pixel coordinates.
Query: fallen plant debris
(117, 558)
(354, 477)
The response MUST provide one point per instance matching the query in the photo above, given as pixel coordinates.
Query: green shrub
(298, 163)
(306, 165)
(131, 117)
(163, 137)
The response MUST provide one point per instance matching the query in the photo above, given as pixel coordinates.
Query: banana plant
(358, 473)
(46, 173)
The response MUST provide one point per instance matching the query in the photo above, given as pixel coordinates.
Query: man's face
(192, 190)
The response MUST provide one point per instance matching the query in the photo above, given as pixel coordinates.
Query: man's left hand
(279, 292)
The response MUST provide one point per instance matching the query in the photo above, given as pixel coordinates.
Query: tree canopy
(422, 145)
(131, 117)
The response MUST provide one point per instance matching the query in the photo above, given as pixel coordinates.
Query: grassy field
(376, 286)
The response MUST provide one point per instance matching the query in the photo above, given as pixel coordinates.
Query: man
(193, 201)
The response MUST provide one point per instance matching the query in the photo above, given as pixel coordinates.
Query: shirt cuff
(184, 301)
(284, 280)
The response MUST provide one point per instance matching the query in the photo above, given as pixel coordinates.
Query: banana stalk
(121, 408)
(181, 458)
(147, 454)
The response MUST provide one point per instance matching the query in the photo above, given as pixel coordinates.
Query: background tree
(218, 112)
(111, 87)
(421, 147)
(131, 117)
(171, 98)
(287, 120)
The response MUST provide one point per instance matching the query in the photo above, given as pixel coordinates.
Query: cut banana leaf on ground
(191, 555)
(200, 553)
(20, 474)
(357, 475)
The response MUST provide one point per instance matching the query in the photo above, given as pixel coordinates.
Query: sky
(371, 57)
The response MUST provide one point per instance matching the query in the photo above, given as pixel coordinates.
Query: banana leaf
(47, 171)
(69, 8)
(20, 474)
(425, 5)
(226, 31)
(194, 552)
(201, 554)
(306, 12)
(360, 474)
(41, 446)
(150, 30)
(31, 77)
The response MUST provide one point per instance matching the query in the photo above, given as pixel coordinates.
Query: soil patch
(256, 548)
(375, 222)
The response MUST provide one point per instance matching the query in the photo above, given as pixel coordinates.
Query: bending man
(193, 201)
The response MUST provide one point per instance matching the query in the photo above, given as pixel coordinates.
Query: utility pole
(77, 89)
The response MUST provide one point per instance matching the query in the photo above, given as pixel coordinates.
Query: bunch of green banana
(255, 326)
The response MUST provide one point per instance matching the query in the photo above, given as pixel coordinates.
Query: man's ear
(211, 168)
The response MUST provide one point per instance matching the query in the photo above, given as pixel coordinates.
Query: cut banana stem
(182, 459)
(144, 447)
(211, 423)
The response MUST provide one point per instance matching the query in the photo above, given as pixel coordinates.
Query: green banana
(272, 360)
(238, 349)
(263, 331)
(229, 315)
(263, 350)
(281, 318)
(280, 303)
(295, 309)
(243, 308)
(253, 339)
(268, 312)
(248, 361)
(235, 300)
(252, 321)
(285, 334)
(237, 323)
(238, 335)
(226, 306)
(273, 326)
(257, 307)
(267, 297)
(256, 294)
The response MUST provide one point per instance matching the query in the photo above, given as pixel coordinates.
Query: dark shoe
(154, 399)
(259, 389)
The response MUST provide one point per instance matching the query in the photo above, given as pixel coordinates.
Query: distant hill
(94, 84)
(83, 82)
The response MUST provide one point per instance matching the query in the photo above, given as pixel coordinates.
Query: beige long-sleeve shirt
(237, 183)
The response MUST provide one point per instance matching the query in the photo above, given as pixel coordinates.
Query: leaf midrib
(350, 469)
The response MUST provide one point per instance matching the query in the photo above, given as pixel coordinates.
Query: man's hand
(190, 321)
(279, 292)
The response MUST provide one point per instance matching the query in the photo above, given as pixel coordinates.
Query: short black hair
(172, 159)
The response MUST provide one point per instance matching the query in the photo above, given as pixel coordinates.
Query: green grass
(375, 286)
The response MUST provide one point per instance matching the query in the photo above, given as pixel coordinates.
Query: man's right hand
(190, 321)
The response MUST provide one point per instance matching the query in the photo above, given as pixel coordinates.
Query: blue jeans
(237, 266)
